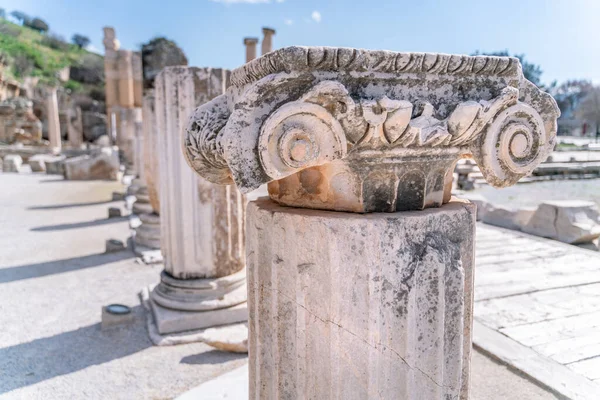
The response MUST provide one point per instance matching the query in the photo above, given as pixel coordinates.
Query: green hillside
(26, 52)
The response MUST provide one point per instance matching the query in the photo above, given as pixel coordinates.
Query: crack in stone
(361, 339)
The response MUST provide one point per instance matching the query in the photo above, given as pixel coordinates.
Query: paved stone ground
(532, 194)
(54, 279)
(542, 294)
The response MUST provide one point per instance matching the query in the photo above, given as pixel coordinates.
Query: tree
(21, 17)
(569, 95)
(532, 72)
(589, 110)
(80, 40)
(38, 24)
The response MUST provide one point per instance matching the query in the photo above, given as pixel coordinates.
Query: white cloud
(288, 22)
(316, 16)
(242, 1)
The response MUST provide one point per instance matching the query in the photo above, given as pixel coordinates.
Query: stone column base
(142, 201)
(187, 304)
(359, 306)
(148, 233)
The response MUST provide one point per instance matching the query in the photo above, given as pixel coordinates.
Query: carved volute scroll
(358, 130)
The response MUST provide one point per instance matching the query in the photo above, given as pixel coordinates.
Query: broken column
(366, 289)
(53, 122)
(250, 44)
(202, 225)
(267, 42)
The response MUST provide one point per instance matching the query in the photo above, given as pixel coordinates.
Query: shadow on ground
(41, 359)
(60, 206)
(30, 271)
(76, 225)
(212, 357)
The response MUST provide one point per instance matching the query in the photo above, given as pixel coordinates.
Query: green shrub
(73, 86)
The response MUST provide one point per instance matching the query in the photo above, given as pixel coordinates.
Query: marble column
(360, 265)
(267, 42)
(151, 150)
(250, 44)
(111, 74)
(53, 120)
(147, 235)
(202, 224)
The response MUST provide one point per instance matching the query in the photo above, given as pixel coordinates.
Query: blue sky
(560, 35)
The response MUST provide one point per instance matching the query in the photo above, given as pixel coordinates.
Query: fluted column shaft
(202, 224)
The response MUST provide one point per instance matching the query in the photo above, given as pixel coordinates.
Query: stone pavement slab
(540, 296)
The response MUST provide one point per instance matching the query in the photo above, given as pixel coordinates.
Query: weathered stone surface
(151, 149)
(54, 134)
(570, 221)
(94, 125)
(232, 338)
(508, 218)
(104, 165)
(148, 233)
(55, 165)
(114, 245)
(114, 212)
(201, 224)
(362, 131)
(12, 163)
(170, 320)
(38, 162)
(17, 116)
(351, 306)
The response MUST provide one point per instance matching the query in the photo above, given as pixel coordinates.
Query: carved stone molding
(363, 131)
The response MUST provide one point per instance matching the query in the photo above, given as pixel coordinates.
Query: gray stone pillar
(250, 44)
(75, 127)
(128, 118)
(53, 121)
(372, 299)
(267, 42)
(202, 224)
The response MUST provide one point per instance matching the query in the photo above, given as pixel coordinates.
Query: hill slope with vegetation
(27, 52)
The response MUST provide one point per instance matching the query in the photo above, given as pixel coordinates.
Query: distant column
(53, 121)
(267, 43)
(126, 91)
(111, 73)
(250, 48)
(138, 78)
